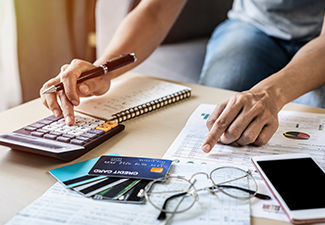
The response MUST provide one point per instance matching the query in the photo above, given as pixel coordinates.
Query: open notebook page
(125, 94)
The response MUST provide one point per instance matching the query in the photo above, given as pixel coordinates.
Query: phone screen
(300, 182)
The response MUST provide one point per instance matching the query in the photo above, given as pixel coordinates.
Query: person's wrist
(277, 96)
(274, 92)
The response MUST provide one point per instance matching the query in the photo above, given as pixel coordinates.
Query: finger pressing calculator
(52, 137)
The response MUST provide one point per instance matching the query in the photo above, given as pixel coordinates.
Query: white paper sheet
(187, 148)
(63, 206)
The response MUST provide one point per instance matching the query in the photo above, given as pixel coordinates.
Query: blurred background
(37, 37)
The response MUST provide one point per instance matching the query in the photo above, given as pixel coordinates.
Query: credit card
(132, 193)
(131, 167)
(119, 190)
(76, 174)
(98, 186)
(84, 186)
(136, 193)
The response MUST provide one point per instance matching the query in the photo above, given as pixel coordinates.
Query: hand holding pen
(68, 86)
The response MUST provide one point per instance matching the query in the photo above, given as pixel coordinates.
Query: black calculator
(52, 137)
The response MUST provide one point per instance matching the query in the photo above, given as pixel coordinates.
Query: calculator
(52, 137)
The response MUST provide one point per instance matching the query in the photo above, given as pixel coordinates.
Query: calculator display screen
(300, 182)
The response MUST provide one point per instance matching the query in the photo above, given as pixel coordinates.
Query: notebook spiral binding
(150, 106)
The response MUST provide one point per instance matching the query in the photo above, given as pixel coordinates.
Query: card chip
(156, 170)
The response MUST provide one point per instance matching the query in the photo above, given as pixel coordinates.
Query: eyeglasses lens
(172, 195)
(234, 182)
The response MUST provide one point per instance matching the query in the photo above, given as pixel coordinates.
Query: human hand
(70, 96)
(246, 118)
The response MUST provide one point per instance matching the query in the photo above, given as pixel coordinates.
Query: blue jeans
(239, 55)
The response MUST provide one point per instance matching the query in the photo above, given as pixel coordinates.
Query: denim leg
(239, 56)
(314, 98)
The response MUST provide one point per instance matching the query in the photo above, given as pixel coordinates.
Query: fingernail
(84, 89)
(56, 113)
(206, 148)
(74, 102)
(68, 120)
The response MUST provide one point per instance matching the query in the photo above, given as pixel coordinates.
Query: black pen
(110, 65)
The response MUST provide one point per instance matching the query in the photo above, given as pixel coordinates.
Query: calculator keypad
(79, 133)
(52, 137)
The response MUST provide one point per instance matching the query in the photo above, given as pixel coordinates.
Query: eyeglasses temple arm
(162, 214)
(257, 195)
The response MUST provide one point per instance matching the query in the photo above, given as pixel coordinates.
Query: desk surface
(24, 177)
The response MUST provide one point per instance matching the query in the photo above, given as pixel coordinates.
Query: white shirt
(284, 19)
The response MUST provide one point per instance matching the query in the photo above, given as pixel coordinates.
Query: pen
(110, 65)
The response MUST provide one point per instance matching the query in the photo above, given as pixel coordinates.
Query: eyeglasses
(175, 194)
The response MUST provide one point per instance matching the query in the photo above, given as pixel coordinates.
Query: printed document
(187, 149)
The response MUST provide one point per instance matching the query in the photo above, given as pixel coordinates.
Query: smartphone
(297, 182)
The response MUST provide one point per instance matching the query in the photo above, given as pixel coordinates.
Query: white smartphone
(297, 182)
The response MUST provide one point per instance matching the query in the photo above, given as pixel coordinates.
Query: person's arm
(251, 117)
(140, 32)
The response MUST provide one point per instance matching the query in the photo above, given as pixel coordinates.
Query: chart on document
(298, 132)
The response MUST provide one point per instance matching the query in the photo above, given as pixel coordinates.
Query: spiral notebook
(128, 98)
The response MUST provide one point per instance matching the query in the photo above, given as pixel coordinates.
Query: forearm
(304, 73)
(142, 31)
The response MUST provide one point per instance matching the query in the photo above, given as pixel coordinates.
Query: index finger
(220, 124)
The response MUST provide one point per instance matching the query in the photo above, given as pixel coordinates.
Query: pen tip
(49, 90)
(134, 56)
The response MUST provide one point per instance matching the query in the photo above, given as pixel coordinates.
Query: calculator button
(53, 118)
(89, 135)
(55, 133)
(37, 134)
(62, 120)
(79, 118)
(107, 126)
(63, 139)
(30, 128)
(104, 127)
(50, 136)
(50, 127)
(77, 142)
(75, 133)
(45, 122)
(92, 125)
(42, 131)
(83, 129)
(68, 136)
(96, 131)
(80, 123)
(69, 127)
(57, 124)
(37, 125)
(112, 124)
(85, 139)
(62, 130)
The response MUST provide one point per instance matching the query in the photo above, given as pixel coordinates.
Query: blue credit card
(76, 174)
(131, 167)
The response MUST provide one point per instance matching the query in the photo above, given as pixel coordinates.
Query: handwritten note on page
(125, 94)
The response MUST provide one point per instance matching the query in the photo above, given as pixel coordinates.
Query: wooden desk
(24, 177)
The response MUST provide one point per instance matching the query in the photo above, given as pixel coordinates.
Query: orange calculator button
(112, 124)
(107, 126)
